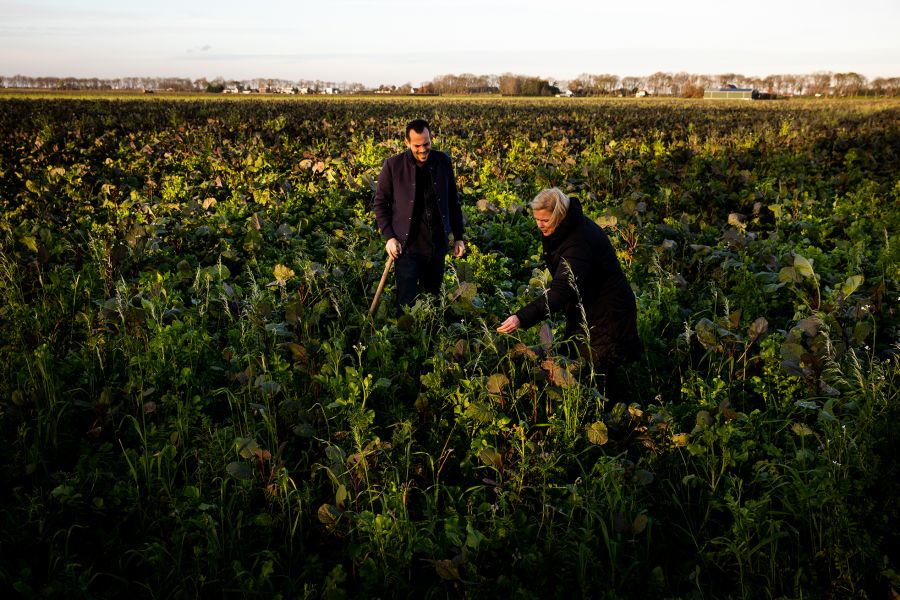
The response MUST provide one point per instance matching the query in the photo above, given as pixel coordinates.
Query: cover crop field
(194, 402)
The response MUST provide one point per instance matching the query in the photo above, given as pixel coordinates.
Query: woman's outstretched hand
(509, 325)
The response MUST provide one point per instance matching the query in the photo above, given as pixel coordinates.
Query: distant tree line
(692, 85)
(681, 84)
(507, 84)
(173, 84)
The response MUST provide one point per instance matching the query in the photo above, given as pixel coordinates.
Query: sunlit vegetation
(194, 401)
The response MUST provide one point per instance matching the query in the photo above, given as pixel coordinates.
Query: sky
(398, 41)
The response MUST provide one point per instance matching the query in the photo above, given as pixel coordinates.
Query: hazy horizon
(368, 42)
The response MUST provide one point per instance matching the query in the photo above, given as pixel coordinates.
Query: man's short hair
(417, 125)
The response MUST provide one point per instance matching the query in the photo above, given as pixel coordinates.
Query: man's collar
(412, 159)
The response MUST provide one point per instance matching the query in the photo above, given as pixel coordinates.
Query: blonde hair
(553, 200)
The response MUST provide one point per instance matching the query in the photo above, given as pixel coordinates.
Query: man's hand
(509, 325)
(459, 248)
(394, 248)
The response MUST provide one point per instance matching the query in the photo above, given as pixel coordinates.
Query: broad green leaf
(597, 433)
(473, 537)
(297, 351)
(479, 412)
(792, 352)
(726, 411)
(827, 412)
(546, 336)
(466, 291)
(757, 328)
(239, 470)
(706, 332)
(285, 231)
(304, 430)
(246, 447)
(521, 349)
(447, 570)
(30, 242)
(828, 390)
(267, 386)
(62, 490)
(703, 419)
(737, 220)
(803, 267)
(643, 477)
(217, 272)
(340, 498)
(293, 311)
(861, 332)
(491, 458)
(788, 275)
(801, 429)
(607, 221)
(811, 326)
(496, 383)
(185, 270)
(263, 520)
(485, 205)
(556, 373)
(851, 284)
(640, 523)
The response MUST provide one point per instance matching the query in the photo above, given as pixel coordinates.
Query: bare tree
(660, 83)
(630, 84)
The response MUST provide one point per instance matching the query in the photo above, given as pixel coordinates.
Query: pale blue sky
(398, 41)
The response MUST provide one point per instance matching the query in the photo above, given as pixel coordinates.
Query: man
(416, 209)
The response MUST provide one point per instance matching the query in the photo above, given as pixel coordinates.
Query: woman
(575, 248)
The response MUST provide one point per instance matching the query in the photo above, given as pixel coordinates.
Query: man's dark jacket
(579, 248)
(395, 195)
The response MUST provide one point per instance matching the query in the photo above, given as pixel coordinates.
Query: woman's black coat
(578, 248)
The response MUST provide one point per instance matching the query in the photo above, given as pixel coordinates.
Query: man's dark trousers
(413, 270)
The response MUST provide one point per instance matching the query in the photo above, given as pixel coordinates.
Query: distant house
(642, 94)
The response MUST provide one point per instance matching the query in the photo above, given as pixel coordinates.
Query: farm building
(731, 92)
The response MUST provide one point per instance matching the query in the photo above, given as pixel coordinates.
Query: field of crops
(194, 401)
